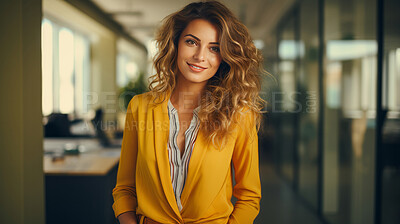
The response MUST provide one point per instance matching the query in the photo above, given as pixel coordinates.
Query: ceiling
(140, 18)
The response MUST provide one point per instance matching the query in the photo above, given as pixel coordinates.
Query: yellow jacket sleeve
(246, 165)
(124, 193)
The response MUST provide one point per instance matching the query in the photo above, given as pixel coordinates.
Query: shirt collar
(173, 109)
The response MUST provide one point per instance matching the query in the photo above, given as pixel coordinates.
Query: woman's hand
(127, 218)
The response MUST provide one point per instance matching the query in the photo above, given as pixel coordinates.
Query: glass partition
(285, 99)
(349, 111)
(325, 111)
(390, 149)
(308, 82)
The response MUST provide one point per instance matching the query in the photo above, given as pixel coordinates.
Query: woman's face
(198, 52)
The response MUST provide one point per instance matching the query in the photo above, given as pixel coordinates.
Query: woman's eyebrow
(193, 36)
(198, 39)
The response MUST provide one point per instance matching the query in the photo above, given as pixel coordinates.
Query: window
(127, 70)
(65, 69)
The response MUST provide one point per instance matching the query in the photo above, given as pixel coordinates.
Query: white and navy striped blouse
(179, 166)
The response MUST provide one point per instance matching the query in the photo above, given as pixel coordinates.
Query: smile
(196, 68)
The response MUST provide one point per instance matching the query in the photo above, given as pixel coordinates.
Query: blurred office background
(329, 144)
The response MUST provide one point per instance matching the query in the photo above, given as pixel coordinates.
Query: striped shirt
(179, 165)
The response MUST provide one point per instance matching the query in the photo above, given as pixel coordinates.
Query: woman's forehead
(202, 29)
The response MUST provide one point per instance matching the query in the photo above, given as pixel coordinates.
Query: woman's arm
(245, 161)
(124, 193)
(127, 218)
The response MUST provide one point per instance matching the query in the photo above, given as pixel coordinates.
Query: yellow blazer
(144, 182)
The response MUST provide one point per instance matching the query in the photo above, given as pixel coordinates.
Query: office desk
(79, 187)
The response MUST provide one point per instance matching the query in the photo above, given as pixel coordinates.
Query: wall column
(21, 131)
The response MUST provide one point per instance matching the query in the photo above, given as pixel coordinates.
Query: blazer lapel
(161, 134)
(199, 151)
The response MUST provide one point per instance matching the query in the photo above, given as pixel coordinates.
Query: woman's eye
(190, 42)
(215, 49)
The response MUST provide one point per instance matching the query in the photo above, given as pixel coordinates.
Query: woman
(202, 114)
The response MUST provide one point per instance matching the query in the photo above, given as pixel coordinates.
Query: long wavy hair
(235, 86)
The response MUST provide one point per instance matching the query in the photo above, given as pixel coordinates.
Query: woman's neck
(186, 96)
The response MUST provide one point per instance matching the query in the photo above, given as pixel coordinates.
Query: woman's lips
(196, 68)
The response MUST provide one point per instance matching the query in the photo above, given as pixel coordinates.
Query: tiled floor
(279, 204)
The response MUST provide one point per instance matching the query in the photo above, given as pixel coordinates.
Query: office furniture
(78, 187)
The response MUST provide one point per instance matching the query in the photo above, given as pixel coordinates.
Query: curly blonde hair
(235, 86)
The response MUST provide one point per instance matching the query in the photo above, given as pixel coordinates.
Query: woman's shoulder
(245, 114)
(244, 118)
(143, 101)
(141, 98)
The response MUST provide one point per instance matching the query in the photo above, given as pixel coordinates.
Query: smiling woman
(198, 55)
(201, 115)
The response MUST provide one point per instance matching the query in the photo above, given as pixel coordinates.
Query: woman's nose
(199, 54)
